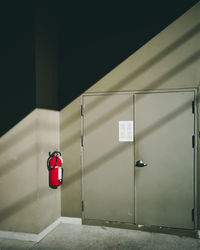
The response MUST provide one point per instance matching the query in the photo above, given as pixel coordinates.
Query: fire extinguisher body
(55, 177)
(54, 164)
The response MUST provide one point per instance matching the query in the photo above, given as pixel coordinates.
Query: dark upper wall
(94, 39)
(16, 62)
(91, 40)
(46, 54)
(28, 59)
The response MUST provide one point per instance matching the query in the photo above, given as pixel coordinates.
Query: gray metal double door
(153, 131)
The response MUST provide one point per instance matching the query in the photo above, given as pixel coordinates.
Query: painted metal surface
(108, 164)
(161, 191)
(164, 193)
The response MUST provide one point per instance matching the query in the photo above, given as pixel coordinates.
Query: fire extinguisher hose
(50, 156)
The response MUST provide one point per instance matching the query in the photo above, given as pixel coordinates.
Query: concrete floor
(67, 236)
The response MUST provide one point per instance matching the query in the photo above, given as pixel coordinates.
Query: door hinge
(193, 141)
(81, 110)
(193, 107)
(82, 141)
(82, 205)
(193, 214)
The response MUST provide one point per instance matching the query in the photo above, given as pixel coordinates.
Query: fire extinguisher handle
(55, 153)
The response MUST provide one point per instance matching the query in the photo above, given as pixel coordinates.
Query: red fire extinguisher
(54, 165)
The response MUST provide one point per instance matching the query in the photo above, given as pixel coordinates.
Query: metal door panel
(108, 165)
(164, 193)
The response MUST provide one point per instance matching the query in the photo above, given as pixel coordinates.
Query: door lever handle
(140, 164)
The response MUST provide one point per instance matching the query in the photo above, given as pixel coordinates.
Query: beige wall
(48, 140)
(27, 203)
(70, 148)
(169, 60)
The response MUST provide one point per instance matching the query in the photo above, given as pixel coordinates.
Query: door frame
(195, 188)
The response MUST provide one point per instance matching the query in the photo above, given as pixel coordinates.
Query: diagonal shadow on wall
(28, 199)
(146, 66)
(153, 127)
(152, 85)
(70, 141)
(15, 141)
(24, 201)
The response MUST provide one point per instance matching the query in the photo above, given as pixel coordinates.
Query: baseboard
(41, 235)
(71, 220)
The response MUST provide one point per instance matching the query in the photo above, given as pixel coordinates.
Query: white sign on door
(125, 131)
